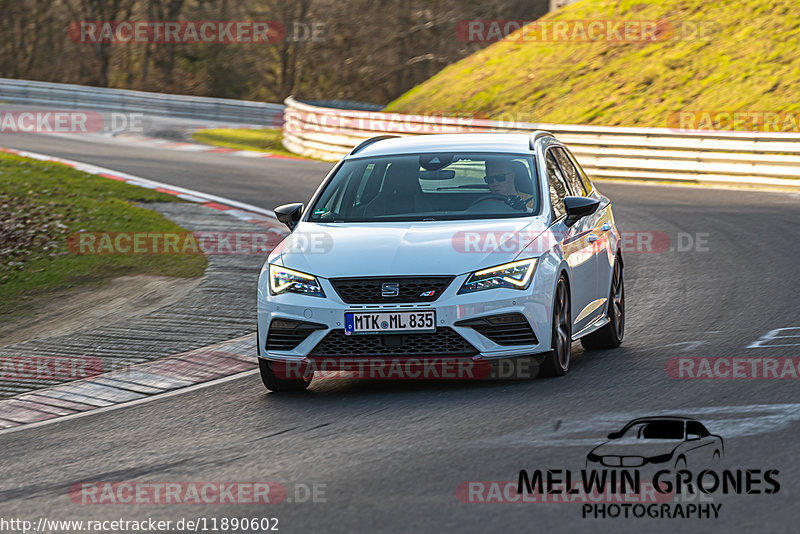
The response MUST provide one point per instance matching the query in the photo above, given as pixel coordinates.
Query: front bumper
(534, 304)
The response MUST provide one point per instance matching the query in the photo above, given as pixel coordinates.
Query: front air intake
(444, 343)
(286, 334)
(507, 329)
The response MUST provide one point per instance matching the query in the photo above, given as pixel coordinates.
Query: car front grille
(286, 334)
(444, 343)
(509, 329)
(373, 291)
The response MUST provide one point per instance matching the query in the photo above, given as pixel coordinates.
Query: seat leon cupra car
(465, 247)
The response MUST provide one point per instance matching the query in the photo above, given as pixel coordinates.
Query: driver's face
(505, 187)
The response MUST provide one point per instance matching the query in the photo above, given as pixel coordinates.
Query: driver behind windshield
(510, 179)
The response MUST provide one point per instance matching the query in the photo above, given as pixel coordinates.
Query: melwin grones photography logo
(657, 467)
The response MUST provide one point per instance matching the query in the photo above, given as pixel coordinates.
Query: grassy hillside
(750, 61)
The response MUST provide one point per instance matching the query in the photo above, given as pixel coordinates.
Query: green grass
(264, 140)
(42, 203)
(749, 62)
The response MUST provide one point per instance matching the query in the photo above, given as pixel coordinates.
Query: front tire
(556, 363)
(273, 383)
(610, 336)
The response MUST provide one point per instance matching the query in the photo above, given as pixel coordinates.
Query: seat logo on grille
(390, 289)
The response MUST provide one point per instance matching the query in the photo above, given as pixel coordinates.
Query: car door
(604, 221)
(597, 227)
(699, 442)
(574, 241)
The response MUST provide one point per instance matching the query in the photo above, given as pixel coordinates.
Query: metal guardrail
(658, 154)
(125, 101)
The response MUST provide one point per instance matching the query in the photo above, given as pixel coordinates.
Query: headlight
(283, 280)
(514, 275)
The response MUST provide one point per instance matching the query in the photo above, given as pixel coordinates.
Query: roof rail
(537, 134)
(367, 142)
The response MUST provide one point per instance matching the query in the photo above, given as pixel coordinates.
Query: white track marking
(689, 345)
(130, 403)
(773, 334)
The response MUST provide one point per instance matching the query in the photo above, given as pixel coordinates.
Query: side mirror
(692, 437)
(614, 435)
(289, 214)
(579, 207)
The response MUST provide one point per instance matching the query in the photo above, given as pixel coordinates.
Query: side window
(363, 185)
(343, 194)
(558, 186)
(569, 169)
(331, 207)
(587, 184)
(693, 427)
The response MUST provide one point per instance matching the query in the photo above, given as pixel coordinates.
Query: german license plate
(388, 322)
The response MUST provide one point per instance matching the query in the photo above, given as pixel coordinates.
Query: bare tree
(368, 51)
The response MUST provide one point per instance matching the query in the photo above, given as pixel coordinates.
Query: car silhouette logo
(390, 289)
(671, 441)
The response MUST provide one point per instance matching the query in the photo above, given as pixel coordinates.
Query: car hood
(636, 447)
(416, 248)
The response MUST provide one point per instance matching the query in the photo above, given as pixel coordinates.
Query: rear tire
(556, 362)
(273, 383)
(610, 336)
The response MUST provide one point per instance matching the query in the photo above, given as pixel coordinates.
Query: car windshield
(666, 429)
(430, 187)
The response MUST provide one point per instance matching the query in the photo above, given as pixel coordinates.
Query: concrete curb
(134, 384)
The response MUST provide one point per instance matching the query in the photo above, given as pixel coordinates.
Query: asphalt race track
(390, 456)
